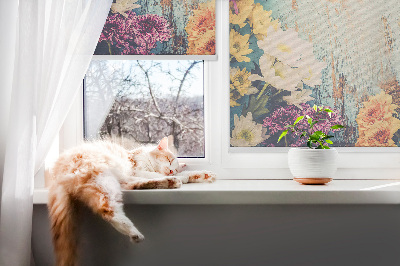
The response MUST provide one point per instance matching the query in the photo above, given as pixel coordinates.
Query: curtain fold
(55, 42)
(8, 24)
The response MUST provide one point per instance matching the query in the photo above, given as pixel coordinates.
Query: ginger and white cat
(94, 174)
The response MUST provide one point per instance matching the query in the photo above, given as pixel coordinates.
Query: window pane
(140, 102)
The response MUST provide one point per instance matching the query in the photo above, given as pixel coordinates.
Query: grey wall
(237, 235)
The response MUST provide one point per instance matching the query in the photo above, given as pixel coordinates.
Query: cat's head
(164, 161)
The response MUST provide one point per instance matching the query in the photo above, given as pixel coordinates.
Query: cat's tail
(62, 212)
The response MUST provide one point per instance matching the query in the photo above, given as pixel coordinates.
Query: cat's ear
(171, 146)
(163, 145)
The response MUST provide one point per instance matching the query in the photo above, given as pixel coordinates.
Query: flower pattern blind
(287, 55)
(159, 27)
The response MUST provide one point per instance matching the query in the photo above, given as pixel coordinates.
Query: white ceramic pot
(312, 166)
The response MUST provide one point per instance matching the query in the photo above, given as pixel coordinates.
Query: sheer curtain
(54, 42)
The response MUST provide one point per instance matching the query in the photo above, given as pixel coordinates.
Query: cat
(94, 174)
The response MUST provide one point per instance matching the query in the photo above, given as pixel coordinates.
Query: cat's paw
(210, 177)
(201, 176)
(182, 167)
(137, 237)
(174, 182)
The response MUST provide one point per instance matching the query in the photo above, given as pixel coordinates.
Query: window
(142, 101)
(227, 162)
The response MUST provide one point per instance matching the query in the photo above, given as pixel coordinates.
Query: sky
(193, 87)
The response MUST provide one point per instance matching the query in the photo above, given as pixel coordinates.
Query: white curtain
(54, 42)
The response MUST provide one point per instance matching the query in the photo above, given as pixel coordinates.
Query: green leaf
(314, 137)
(315, 107)
(303, 134)
(256, 105)
(309, 120)
(328, 110)
(309, 144)
(313, 123)
(329, 141)
(298, 120)
(337, 126)
(282, 135)
(317, 136)
(325, 147)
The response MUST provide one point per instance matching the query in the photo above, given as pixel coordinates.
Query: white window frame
(246, 163)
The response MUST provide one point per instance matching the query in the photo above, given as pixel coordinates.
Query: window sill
(264, 192)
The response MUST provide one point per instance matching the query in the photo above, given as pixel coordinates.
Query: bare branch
(167, 118)
(183, 81)
(146, 72)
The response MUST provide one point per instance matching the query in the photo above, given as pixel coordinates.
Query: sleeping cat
(94, 174)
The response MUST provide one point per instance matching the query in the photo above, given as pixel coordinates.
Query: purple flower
(135, 34)
(150, 29)
(235, 6)
(283, 116)
(280, 118)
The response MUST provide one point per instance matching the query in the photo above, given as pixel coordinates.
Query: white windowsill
(264, 192)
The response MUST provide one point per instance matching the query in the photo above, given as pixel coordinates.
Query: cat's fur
(94, 174)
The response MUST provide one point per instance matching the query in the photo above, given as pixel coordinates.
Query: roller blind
(289, 55)
(159, 27)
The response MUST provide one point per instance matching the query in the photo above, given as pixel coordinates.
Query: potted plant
(316, 163)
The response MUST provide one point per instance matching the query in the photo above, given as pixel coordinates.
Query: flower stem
(262, 90)
(109, 48)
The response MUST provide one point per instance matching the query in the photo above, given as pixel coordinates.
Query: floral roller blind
(287, 55)
(159, 27)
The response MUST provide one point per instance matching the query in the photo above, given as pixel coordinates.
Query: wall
(237, 235)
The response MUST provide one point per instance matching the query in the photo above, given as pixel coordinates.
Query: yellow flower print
(121, 6)
(240, 81)
(260, 20)
(376, 124)
(201, 29)
(244, 7)
(203, 45)
(239, 46)
(234, 96)
(240, 85)
(379, 136)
